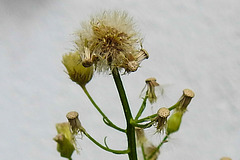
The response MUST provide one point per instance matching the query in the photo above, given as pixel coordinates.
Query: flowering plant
(109, 43)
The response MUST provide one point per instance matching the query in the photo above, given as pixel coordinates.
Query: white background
(192, 44)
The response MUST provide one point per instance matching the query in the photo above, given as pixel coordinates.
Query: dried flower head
(151, 151)
(111, 41)
(75, 123)
(76, 71)
(64, 139)
(161, 118)
(151, 84)
(185, 99)
(141, 139)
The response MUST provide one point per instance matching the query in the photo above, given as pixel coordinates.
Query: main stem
(130, 128)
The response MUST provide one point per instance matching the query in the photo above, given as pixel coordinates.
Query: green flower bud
(174, 122)
(65, 144)
(76, 71)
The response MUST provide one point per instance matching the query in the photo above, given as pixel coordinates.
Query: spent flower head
(184, 100)
(76, 71)
(161, 118)
(74, 122)
(151, 84)
(141, 138)
(111, 41)
(151, 150)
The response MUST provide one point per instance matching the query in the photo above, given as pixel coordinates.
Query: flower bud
(174, 122)
(65, 144)
(76, 71)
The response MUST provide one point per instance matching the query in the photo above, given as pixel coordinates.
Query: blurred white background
(192, 44)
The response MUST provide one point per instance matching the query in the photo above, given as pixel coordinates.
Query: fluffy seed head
(112, 37)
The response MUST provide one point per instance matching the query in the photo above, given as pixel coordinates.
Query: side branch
(105, 118)
(105, 148)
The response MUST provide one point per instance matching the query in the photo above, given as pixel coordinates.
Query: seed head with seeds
(111, 41)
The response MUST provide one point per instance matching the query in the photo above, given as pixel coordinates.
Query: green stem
(105, 148)
(147, 125)
(148, 118)
(105, 118)
(130, 128)
(143, 106)
(143, 152)
(174, 106)
(158, 147)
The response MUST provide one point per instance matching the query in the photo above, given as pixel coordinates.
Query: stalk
(128, 115)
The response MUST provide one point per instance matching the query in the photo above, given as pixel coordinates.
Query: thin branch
(143, 106)
(105, 148)
(105, 118)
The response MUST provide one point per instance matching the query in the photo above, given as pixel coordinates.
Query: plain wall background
(192, 44)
